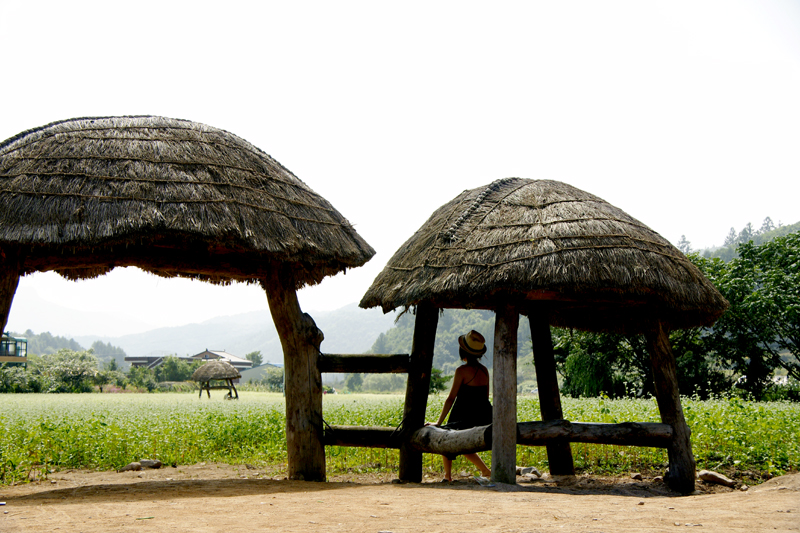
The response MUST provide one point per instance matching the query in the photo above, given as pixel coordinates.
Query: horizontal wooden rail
(362, 437)
(433, 439)
(364, 363)
(647, 434)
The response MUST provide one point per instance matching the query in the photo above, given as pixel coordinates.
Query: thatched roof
(546, 245)
(173, 197)
(215, 370)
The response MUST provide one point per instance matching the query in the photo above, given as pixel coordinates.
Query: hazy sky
(684, 114)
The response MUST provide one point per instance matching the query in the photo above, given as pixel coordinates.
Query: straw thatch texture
(173, 197)
(215, 370)
(546, 245)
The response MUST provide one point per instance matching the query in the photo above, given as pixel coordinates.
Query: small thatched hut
(218, 371)
(562, 257)
(175, 198)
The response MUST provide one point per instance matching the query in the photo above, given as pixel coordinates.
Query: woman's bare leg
(475, 459)
(448, 468)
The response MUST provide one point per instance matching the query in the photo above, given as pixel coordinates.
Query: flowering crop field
(42, 432)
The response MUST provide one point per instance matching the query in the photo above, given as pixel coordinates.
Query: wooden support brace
(504, 408)
(364, 363)
(681, 473)
(362, 437)
(559, 454)
(417, 386)
(300, 340)
(10, 264)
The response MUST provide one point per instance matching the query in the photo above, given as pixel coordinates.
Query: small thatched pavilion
(562, 257)
(177, 198)
(217, 371)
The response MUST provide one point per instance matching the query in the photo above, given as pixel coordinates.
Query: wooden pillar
(300, 340)
(9, 279)
(417, 386)
(559, 454)
(681, 473)
(504, 409)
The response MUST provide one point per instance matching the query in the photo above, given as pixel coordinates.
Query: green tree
(274, 379)
(684, 245)
(353, 382)
(438, 381)
(255, 357)
(65, 370)
(142, 377)
(172, 368)
(761, 330)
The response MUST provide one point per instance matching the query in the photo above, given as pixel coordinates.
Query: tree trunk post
(9, 279)
(681, 472)
(417, 386)
(504, 409)
(559, 454)
(300, 340)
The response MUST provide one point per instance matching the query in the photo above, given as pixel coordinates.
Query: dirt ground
(217, 497)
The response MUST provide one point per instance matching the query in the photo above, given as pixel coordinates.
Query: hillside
(347, 330)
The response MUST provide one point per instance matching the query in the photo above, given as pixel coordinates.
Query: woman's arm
(458, 377)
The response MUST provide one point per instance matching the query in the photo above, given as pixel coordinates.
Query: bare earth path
(203, 498)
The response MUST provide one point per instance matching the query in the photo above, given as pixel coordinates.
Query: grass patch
(39, 432)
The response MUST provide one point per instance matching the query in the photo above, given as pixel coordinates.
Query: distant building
(13, 350)
(152, 361)
(237, 362)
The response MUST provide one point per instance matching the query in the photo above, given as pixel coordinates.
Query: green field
(42, 432)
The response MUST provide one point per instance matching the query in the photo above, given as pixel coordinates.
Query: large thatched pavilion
(177, 198)
(562, 257)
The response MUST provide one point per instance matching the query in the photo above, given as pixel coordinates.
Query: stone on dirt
(131, 466)
(709, 476)
(150, 463)
(526, 470)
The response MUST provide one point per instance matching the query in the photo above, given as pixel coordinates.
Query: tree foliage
(255, 357)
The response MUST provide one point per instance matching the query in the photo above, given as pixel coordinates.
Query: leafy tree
(730, 240)
(438, 381)
(353, 382)
(384, 383)
(66, 370)
(15, 378)
(255, 357)
(106, 352)
(173, 368)
(766, 226)
(142, 377)
(274, 379)
(746, 235)
(684, 245)
(761, 330)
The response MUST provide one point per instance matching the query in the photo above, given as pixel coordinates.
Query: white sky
(685, 114)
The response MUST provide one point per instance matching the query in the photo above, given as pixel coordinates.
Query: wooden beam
(300, 340)
(559, 454)
(9, 280)
(417, 387)
(504, 408)
(432, 439)
(362, 437)
(364, 363)
(681, 472)
(651, 435)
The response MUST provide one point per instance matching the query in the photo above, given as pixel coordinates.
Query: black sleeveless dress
(472, 407)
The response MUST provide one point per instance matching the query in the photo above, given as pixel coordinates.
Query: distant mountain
(349, 329)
